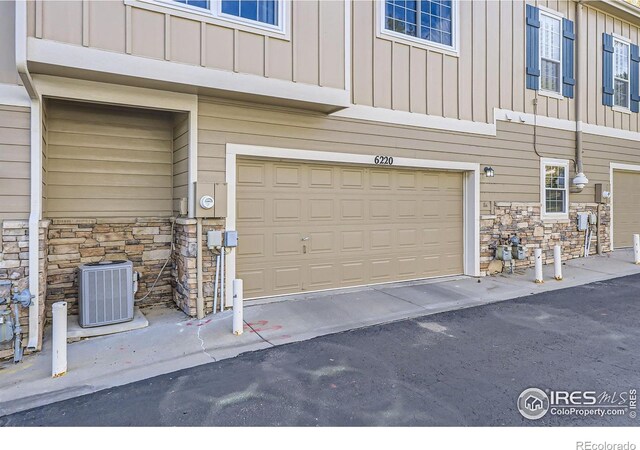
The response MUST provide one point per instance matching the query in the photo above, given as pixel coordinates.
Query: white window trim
(626, 42)
(554, 15)
(453, 49)
(544, 162)
(215, 15)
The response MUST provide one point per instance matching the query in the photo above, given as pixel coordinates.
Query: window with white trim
(620, 73)
(550, 52)
(431, 21)
(555, 188)
(266, 13)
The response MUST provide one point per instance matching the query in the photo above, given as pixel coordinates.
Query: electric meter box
(211, 200)
(503, 253)
(583, 221)
(519, 252)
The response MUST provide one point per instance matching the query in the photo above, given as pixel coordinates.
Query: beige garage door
(305, 227)
(626, 207)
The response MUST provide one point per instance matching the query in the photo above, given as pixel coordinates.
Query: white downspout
(36, 171)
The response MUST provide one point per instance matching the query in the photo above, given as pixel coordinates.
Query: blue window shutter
(607, 69)
(633, 76)
(533, 48)
(568, 37)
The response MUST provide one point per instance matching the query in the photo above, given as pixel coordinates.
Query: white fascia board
(65, 55)
(396, 117)
(14, 95)
(114, 94)
(610, 132)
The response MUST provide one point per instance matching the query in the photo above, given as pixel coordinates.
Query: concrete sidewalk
(171, 343)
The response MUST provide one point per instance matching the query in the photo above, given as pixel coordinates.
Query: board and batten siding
(108, 162)
(489, 70)
(313, 54)
(14, 162)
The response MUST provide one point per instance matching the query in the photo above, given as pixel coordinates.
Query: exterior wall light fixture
(489, 172)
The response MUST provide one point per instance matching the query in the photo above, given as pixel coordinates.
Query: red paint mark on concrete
(260, 325)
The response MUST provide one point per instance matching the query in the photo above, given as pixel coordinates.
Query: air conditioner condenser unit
(105, 293)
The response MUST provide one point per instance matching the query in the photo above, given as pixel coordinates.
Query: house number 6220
(383, 160)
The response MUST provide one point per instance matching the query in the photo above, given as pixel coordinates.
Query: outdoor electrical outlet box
(583, 221)
(230, 239)
(184, 206)
(214, 239)
(211, 200)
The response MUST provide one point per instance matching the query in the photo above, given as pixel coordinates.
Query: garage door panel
(352, 178)
(626, 207)
(338, 226)
(321, 209)
(353, 272)
(352, 209)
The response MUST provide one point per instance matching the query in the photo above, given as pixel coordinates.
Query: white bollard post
(557, 262)
(59, 357)
(238, 298)
(636, 248)
(538, 257)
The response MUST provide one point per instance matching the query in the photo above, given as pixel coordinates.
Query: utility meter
(206, 202)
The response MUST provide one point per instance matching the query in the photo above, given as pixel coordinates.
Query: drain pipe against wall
(36, 170)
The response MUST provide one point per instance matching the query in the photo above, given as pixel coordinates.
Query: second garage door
(305, 227)
(626, 207)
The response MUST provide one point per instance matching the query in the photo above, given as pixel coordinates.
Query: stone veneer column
(14, 266)
(185, 290)
(524, 220)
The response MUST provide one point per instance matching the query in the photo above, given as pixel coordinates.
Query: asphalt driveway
(465, 367)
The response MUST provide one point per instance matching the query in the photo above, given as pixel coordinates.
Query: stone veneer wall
(524, 220)
(184, 273)
(14, 266)
(144, 241)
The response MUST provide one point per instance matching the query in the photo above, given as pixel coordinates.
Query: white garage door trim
(612, 167)
(471, 192)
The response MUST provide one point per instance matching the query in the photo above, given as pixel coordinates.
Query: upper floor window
(620, 74)
(264, 13)
(550, 53)
(429, 21)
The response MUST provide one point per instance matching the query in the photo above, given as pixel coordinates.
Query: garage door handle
(305, 238)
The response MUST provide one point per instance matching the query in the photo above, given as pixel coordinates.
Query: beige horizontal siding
(314, 53)
(511, 153)
(104, 161)
(14, 162)
(180, 160)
